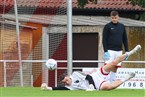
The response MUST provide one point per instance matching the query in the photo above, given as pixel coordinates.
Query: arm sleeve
(104, 40)
(60, 88)
(125, 40)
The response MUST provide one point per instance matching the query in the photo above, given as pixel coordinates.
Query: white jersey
(78, 81)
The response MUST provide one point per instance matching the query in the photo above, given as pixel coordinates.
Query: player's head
(114, 16)
(67, 80)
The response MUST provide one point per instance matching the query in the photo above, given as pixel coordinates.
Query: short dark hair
(114, 13)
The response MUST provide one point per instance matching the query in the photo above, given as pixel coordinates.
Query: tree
(140, 3)
(137, 2)
(82, 3)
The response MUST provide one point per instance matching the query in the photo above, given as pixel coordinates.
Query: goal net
(42, 35)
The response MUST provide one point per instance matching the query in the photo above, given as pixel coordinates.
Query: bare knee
(109, 67)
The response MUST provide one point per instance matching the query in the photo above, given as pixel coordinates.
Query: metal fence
(12, 75)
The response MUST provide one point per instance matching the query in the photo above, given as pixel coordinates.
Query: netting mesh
(57, 46)
(58, 51)
(32, 20)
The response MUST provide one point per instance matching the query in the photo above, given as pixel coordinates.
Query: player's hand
(106, 56)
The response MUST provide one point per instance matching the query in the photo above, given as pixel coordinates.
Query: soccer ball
(51, 64)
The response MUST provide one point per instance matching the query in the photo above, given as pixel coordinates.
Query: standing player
(114, 35)
(78, 81)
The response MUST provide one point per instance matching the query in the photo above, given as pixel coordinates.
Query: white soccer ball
(51, 64)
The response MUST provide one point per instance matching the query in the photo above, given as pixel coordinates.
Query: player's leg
(137, 48)
(112, 65)
(117, 83)
(112, 75)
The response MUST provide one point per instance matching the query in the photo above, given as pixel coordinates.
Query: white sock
(123, 80)
(128, 77)
(137, 48)
(130, 53)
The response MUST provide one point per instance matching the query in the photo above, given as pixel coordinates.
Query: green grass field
(36, 92)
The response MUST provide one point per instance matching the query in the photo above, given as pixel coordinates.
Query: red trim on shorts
(103, 72)
(118, 66)
(101, 84)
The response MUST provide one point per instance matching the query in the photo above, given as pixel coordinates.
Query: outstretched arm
(60, 88)
(45, 87)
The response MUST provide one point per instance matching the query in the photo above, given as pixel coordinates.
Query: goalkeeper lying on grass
(97, 80)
